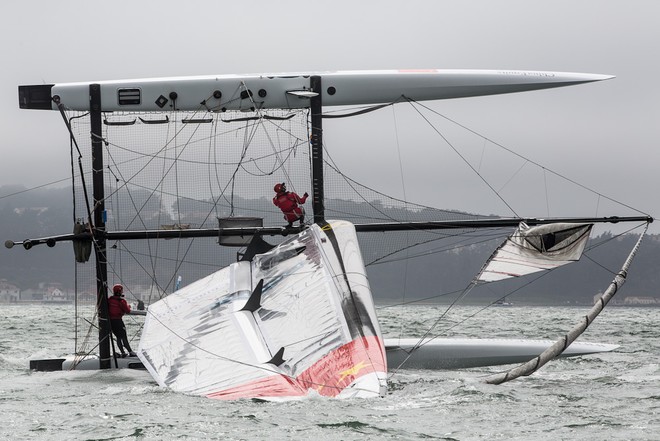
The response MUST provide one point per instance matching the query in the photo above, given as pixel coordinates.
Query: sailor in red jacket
(288, 202)
(117, 307)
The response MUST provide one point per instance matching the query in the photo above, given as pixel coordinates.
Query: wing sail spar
(532, 249)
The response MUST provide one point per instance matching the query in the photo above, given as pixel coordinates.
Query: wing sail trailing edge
(532, 249)
(295, 321)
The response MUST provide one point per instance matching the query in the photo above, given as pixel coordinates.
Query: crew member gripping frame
(288, 201)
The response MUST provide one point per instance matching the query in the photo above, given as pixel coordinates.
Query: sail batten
(532, 249)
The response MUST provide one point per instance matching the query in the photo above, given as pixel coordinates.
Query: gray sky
(603, 135)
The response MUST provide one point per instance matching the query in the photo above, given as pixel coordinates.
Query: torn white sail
(295, 320)
(532, 249)
(561, 345)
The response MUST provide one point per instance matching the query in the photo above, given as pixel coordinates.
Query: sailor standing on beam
(288, 201)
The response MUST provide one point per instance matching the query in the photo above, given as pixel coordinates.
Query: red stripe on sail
(329, 376)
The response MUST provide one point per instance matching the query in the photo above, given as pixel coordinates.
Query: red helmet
(117, 289)
(280, 187)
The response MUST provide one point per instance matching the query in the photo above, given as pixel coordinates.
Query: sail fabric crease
(202, 339)
(532, 249)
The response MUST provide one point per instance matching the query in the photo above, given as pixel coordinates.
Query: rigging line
(334, 167)
(277, 150)
(291, 152)
(363, 109)
(243, 161)
(331, 163)
(483, 153)
(560, 346)
(359, 112)
(276, 147)
(160, 182)
(110, 197)
(189, 247)
(248, 135)
(352, 215)
(73, 180)
(116, 217)
(422, 340)
(406, 213)
(421, 343)
(547, 201)
(213, 166)
(165, 148)
(337, 276)
(186, 160)
(278, 157)
(412, 102)
(411, 302)
(513, 175)
(188, 198)
(614, 237)
(530, 282)
(166, 259)
(154, 256)
(242, 363)
(527, 159)
(181, 259)
(16, 193)
(72, 138)
(351, 183)
(153, 278)
(452, 247)
(176, 183)
(78, 356)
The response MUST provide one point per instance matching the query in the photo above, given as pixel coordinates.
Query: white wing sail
(532, 249)
(218, 93)
(296, 320)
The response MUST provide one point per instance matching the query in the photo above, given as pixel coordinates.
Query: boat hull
(462, 353)
(439, 354)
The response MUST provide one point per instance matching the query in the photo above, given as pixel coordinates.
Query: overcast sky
(603, 135)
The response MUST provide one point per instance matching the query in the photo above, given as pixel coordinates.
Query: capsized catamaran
(287, 320)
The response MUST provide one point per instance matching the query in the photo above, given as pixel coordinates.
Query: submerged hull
(461, 353)
(439, 354)
(295, 321)
(292, 91)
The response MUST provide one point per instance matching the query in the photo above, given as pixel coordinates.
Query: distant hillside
(434, 273)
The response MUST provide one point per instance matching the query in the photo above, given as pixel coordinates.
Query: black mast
(315, 107)
(95, 117)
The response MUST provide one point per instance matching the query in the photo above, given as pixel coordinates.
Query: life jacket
(117, 307)
(288, 203)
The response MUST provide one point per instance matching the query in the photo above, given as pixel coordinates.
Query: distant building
(9, 293)
(47, 292)
(641, 301)
(55, 294)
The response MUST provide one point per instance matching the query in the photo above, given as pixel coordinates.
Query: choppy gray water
(613, 396)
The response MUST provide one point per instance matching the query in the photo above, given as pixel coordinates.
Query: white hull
(457, 353)
(291, 91)
(443, 353)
